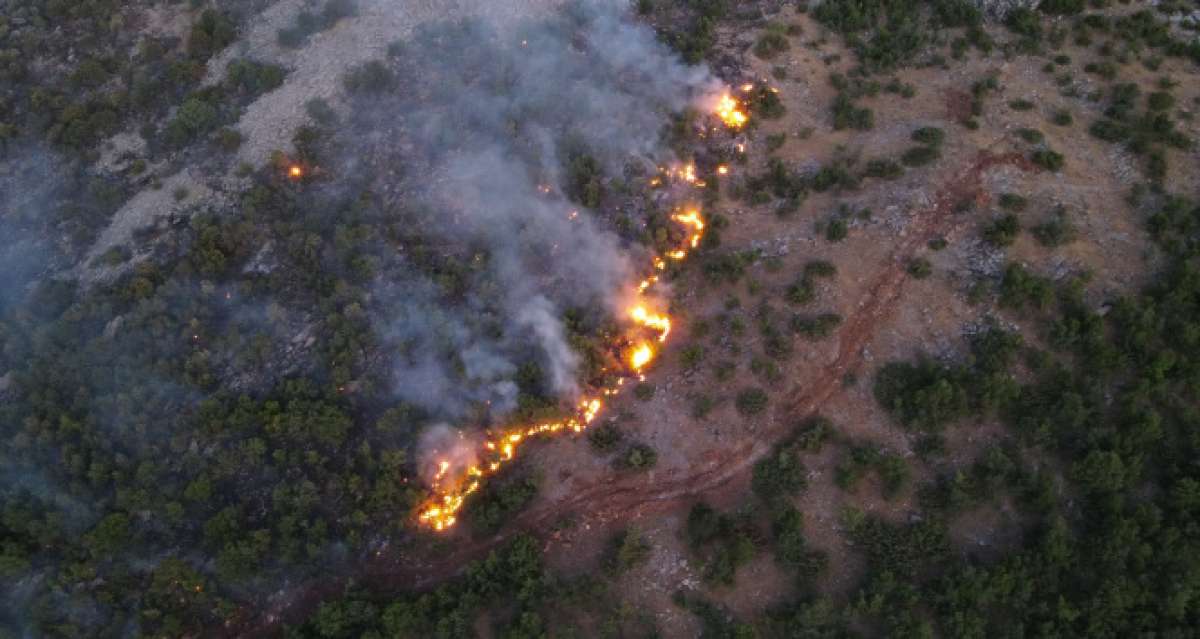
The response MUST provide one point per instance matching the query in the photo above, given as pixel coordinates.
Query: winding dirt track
(619, 498)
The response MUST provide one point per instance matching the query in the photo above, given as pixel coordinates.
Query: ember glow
(451, 488)
(295, 172)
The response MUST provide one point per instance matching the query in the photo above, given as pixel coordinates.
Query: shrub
(848, 116)
(1019, 288)
(812, 433)
(1012, 202)
(836, 230)
(929, 136)
(894, 473)
(923, 396)
(369, 77)
(1048, 159)
(800, 292)
(780, 474)
(1062, 117)
(1160, 101)
(819, 268)
(229, 139)
(604, 438)
(957, 13)
(834, 175)
(639, 457)
(1023, 21)
(1061, 7)
(1003, 230)
(644, 391)
(692, 355)
(920, 156)
(751, 401)
(211, 33)
(499, 502)
(1020, 105)
(920, 268)
(1056, 231)
(883, 168)
(1032, 136)
(815, 327)
(195, 116)
(766, 104)
(253, 78)
(771, 44)
(627, 550)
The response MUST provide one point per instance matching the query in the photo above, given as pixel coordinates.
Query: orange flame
(661, 323)
(641, 356)
(730, 112)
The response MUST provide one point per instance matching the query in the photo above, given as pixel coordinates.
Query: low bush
(751, 401)
(1003, 230)
(920, 156)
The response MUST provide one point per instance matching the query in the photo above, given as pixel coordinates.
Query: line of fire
(648, 329)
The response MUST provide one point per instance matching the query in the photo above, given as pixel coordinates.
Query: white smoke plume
(484, 123)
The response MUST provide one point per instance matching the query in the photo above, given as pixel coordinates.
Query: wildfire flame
(641, 356)
(661, 323)
(295, 172)
(450, 492)
(730, 112)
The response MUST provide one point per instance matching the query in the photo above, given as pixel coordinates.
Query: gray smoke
(30, 178)
(485, 120)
